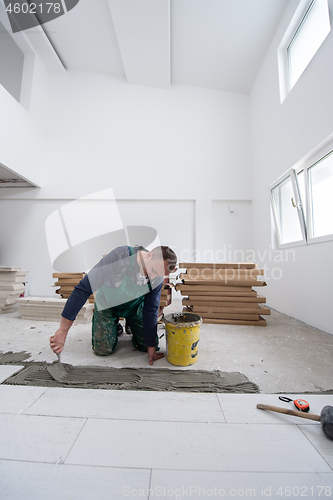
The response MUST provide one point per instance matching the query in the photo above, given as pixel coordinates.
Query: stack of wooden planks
(12, 281)
(67, 282)
(48, 309)
(223, 293)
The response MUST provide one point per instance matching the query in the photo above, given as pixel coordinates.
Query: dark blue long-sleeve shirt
(110, 271)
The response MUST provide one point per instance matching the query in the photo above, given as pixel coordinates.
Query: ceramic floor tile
(7, 371)
(166, 484)
(16, 399)
(196, 446)
(242, 408)
(35, 481)
(43, 439)
(129, 405)
(320, 441)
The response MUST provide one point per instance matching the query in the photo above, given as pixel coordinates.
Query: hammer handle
(295, 413)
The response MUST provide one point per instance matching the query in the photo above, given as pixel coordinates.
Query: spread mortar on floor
(10, 357)
(146, 379)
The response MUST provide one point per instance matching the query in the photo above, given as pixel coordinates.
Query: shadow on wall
(80, 232)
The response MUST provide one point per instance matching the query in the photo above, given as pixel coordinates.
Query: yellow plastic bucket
(182, 337)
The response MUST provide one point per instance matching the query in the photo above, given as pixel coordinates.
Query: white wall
(167, 154)
(23, 241)
(22, 140)
(145, 142)
(282, 134)
(174, 221)
(232, 232)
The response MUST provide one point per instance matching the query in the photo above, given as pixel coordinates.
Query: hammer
(325, 417)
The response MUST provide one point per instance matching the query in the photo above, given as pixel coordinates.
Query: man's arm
(107, 270)
(75, 302)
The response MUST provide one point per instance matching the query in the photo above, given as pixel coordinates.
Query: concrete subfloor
(285, 356)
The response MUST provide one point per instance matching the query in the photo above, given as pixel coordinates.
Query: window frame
(319, 156)
(294, 36)
(303, 206)
(300, 212)
(295, 25)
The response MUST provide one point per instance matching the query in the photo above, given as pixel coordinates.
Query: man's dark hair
(168, 255)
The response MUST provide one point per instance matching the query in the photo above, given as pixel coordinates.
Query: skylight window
(11, 64)
(307, 39)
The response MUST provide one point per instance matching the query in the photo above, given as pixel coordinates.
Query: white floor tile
(7, 371)
(16, 398)
(242, 408)
(166, 484)
(43, 439)
(196, 446)
(35, 481)
(322, 443)
(129, 405)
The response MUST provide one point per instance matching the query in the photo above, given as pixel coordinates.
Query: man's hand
(153, 355)
(57, 341)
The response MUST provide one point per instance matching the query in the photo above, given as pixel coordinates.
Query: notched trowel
(57, 370)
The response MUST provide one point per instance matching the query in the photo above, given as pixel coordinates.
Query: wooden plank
(227, 310)
(196, 273)
(5, 269)
(229, 305)
(218, 265)
(202, 309)
(226, 282)
(265, 310)
(224, 293)
(165, 303)
(216, 278)
(214, 321)
(245, 317)
(15, 278)
(226, 299)
(68, 275)
(212, 288)
(63, 282)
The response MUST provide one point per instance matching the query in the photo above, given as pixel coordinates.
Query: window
(302, 201)
(309, 36)
(11, 64)
(306, 32)
(287, 211)
(320, 180)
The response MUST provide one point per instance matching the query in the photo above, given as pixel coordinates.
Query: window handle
(296, 205)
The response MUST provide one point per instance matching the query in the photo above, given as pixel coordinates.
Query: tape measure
(300, 404)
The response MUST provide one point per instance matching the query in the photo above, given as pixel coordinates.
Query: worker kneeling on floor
(128, 283)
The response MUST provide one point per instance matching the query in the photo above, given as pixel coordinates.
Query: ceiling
(214, 44)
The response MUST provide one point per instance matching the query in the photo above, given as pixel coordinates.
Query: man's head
(161, 261)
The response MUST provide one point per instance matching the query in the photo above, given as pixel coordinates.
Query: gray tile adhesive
(136, 379)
